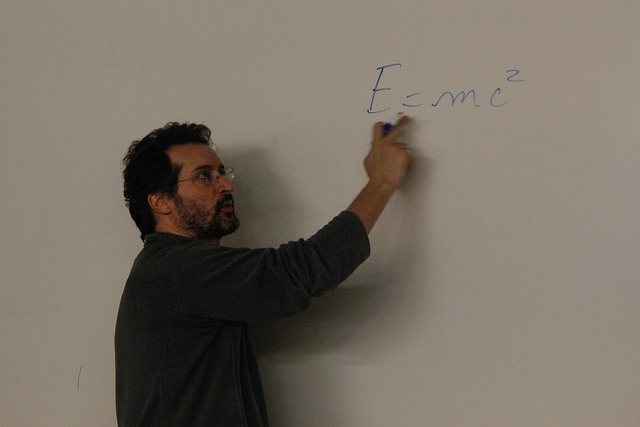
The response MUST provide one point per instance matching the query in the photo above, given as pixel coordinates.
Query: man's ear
(159, 203)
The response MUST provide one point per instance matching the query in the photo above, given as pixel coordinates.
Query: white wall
(503, 285)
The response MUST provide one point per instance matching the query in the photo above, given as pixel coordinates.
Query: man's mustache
(226, 198)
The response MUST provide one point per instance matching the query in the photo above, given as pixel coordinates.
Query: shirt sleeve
(255, 284)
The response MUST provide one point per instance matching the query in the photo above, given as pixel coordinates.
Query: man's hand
(388, 160)
(386, 165)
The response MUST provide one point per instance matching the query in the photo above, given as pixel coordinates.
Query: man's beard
(202, 224)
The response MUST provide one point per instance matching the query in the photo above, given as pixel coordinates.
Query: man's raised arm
(386, 165)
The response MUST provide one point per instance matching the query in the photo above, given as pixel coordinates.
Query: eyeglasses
(209, 176)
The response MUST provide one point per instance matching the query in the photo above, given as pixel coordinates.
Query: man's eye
(203, 175)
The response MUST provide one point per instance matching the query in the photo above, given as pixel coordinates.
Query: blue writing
(515, 73)
(496, 92)
(413, 100)
(377, 89)
(413, 105)
(455, 98)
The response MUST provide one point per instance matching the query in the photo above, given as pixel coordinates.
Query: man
(183, 352)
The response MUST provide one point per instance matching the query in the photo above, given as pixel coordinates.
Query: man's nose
(224, 184)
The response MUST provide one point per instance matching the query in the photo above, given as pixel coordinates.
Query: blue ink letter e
(377, 89)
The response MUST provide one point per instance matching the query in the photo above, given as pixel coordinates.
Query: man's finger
(378, 131)
(399, 127)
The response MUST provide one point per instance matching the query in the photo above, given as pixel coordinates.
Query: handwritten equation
(451, 98)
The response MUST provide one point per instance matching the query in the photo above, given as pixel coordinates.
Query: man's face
(203, 202)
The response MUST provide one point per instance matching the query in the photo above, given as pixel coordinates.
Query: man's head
(175, 182)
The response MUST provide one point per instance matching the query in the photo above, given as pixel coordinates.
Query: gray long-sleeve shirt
(183, 353)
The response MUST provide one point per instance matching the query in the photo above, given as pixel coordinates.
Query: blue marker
(387, 127)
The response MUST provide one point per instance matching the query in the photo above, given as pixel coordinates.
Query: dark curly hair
(148, 169)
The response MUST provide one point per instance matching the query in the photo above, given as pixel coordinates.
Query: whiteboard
(503, 284)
